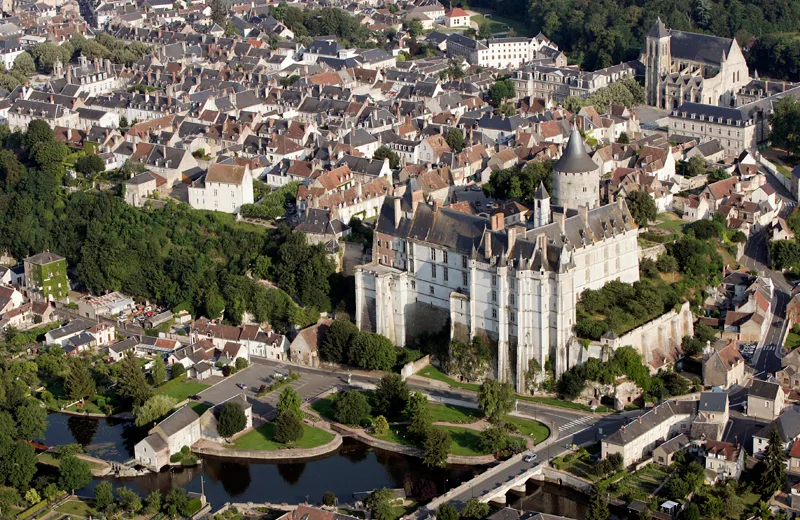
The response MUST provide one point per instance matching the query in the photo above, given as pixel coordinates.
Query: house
(79, 343)
(305, 347)
(209, 424)
(142, 186)
(303, 512)
(789, 375)
(180, 429)
(794, 458)
(745, 326)
(270, 345)
(62, 335)
(111, 304)
(780, 230)
(664, 453)
(788, 426)
(765, 400)
(104, 334)
(10, 299)
(695, 208)
(224, 187)
(456, 17)
(724, 460)
(46, 276)
(723, 365)
(713, 407)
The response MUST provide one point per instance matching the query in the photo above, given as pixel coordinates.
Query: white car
(530, 458)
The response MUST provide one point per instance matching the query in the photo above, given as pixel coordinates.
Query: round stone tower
(576, 177)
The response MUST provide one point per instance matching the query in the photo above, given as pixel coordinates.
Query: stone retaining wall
(283, 454)
(652, 252)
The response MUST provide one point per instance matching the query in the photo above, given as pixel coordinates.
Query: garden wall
(413, 367)
(652, 253)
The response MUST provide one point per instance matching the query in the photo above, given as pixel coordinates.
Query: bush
(329, 498)
(492, 439)
(241, 363)
(178, 370)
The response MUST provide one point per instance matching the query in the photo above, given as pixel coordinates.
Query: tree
(381, 426)
(176, 503)
(446, 511)
(46, 54)
(772, 474)
(158, 372)
(132, 381)
(642, 207)
(786, 125)
(695, 166)
(20, 465)
(31, 420)
(505, 109)
(79, 383)
(218, 13)
(623, 138)
(379, 503)
(502, 90)
(51, 492)
(384, 152)
(152, 503)
(231, 420)
(103, 495)
(436, 446)
(32, 496)
(455, 139)
(692, 512)
(496, 399)
(289, 402)
(718, 175)
(666, 263)
(335, 344)
(128, 500)
(691, 346)
(75, 473)
(598, 506)
(155, 408)
(123, 123)
(131, 168)
(177, 370)
(48, 153)
(288, 428)
(474, 509)
(492, 439)
(413, 27)
(419, 412)
(240, 364)
(38, 132)
(24, 64)
(90, 164)
(372, 352)
(391, 396)
(350, 408)
(329, 498)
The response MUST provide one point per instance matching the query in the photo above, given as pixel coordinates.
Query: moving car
(242, 386)
(530, 458)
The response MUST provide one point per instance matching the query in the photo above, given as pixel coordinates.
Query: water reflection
(291, 473)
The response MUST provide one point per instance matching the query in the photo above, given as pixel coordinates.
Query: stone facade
(576, 177)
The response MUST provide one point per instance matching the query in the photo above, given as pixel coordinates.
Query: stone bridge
(515, 483)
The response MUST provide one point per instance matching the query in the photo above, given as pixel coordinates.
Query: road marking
(574, 423)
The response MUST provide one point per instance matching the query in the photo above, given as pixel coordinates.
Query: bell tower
(658, 62)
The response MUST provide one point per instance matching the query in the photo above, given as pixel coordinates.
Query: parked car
(530, 458)
(476, 188)
(242, 386)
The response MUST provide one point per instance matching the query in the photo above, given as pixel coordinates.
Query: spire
(541, 192)
(755, 75)
(659, 30)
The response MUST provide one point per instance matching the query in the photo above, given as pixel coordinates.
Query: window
(464, 262)
(512, 298)
(411, 266)
(445, 273)
(494, 280)
(413, 285)
(464, 279)
(494, 313)
(433, 254)
(215, 193)
(433, 270)
(494, 296)
(232, 194)
(385, 260)
(511, 317)
(430, 289)
(444, 256)
(379, 243)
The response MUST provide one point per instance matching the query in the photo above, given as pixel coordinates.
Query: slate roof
(764, 389)
(44, 258)
(575, 159)
(788, 424)
(714, 402)
(698, 47)
(650, 420)
(178, 421)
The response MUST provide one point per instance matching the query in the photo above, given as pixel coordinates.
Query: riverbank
(209, 449)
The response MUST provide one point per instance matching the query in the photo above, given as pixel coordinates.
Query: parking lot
(309, 385)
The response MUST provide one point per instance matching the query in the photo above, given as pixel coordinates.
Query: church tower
(541, 210)
(576, 177)
(658, 62)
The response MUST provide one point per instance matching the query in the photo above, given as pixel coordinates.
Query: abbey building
(516, 285)
(683, 67)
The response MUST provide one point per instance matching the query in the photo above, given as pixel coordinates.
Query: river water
(353, 468)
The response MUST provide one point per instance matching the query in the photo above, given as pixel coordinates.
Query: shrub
(288, 428)
(329, 498)
(231, 420)
(350, 408)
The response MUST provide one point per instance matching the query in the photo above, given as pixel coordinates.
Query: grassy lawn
(792, 341)
(786, 172)
(398, 434)
(180, 389)
(642, 483)
(563, 404)
(431, 372)
(47, 458)
(464, 441)
(75, 508)
(497, 23)
(454, 414)
(535, 430)
(324, 407)
(671, 222)
(580, 465)
(262, 439)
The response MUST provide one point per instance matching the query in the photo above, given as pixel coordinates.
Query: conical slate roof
(659, 30)
(541, 192)
(575, 159)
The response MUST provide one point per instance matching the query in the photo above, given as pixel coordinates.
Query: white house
(225, 187)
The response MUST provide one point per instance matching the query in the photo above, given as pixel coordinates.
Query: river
(353, 468)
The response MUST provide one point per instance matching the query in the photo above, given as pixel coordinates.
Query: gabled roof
(764, 389)
(788, 424)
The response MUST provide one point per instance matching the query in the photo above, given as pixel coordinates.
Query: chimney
(498, 221)
(358, 189)
(416, 198)
(487, 243)
(512, 237)
(69, 75)
(584, 212)
(397, 211)
(562, 220)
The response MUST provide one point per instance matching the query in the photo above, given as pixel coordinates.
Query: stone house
(180, 429)
(304, 349)
(724, 460)
(664, 453)
(788, 425)
(723, 365)
(765, 400)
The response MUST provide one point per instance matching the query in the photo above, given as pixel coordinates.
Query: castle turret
(541, 210)
(576, 177)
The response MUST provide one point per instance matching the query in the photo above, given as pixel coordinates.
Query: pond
(354, 467)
